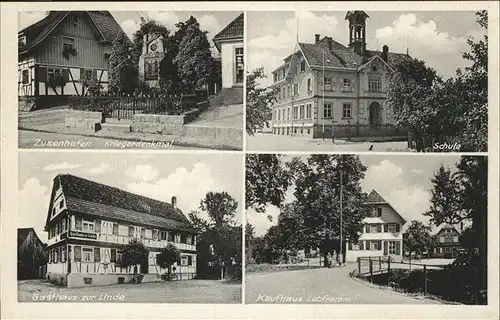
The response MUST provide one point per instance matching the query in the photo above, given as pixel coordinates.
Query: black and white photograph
(149, 228)
(414, 81)
(131, 79)
(366, 229)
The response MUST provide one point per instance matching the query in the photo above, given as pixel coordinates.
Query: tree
(220, 206)
(194, 58)
(417, 238)
(134, 253)
(317, 190)
(122, 70)
(266, 181)
(167, 257)
(470, 182)
(258, 102)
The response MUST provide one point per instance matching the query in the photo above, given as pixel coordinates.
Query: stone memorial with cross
(153, 52)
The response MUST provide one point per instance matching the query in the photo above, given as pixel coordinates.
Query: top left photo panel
(163, 80)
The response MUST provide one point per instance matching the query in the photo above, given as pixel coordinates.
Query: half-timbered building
(88, 223)
(57, 53)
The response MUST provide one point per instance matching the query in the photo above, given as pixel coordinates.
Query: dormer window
(302, 66)
(374, 68)
(22, 40)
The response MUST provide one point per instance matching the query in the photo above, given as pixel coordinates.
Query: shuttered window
(78, 223)
(78, 253)
(131, 231)
(97, 254)
(115, 229)
(97, 226)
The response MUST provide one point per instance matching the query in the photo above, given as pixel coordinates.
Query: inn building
(382, 234)
(326, 87)
(88, 223)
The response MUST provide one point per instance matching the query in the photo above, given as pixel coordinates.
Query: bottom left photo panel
(129, 227)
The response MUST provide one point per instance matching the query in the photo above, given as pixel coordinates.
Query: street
(35, 140)
(322, 285)
(271, 142)
(188, 291)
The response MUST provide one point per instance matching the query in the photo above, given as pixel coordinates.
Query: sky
(437, 37)
(158, 176)
(404, 181)
(213, 22)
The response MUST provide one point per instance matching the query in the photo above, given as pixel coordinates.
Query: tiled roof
(233, 30)
(37, 32)
(374, 197)
(90, 197)
(314, 55)
(22, 233)
(107, 211)
(392, 57)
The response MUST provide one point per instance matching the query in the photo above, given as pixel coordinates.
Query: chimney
(316, 38)
(174, 202)
(385, 52)
(330, 44)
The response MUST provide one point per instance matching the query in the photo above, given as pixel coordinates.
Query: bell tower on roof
(357, 30)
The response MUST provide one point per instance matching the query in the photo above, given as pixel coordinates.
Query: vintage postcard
(130, 228)
(367, 229)
(249, 160)
(368, 81)
(130, 79)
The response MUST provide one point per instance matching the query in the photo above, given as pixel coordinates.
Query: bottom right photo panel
(366, 229)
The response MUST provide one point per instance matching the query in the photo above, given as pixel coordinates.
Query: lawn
(189, 291)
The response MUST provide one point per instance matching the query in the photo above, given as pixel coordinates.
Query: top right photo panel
(367, 81)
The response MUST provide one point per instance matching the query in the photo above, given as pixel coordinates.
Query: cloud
(411, 201)
(60, 166)
(142, 173)
(189, 185)
(103, 168)
(27, 18)
(260, 221)
(417, 171)
(170, 19)
(33, 206)
(439, 49)
(269, 50)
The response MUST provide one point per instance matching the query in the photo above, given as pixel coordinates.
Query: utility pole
(341, 191)
(324, 84)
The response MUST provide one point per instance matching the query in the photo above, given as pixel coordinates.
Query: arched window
(309, 85)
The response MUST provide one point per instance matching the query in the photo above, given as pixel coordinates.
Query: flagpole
(324, 84)
(341, 191)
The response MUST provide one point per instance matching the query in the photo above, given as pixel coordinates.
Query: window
(184, 261)
(148, 234)
(155, 234)
(131, 231)
(61, 204)
(63, 254)
(289, 90)
(374, 84)
(446, 250)
(177, 238)
(303, 66)
(53, 211)
(87, 255)
(295, 89)
(25, 76)
(283, 92)
(22, 40)
(189, 239)
(279, 115)
(275, 77)
(392, 228)
(346, 110)
(239, 67)
(115, 229)
(68, 43)
(327, 111)
(309, 85)
(301, 112)
(328, 84)
(374, 228)
(374, 246)
(374, 68)
(347, 84)
(295, 112)
(288, 113)
(392, 247)
(56, 255)
(379, 212)
(309, 111)
(88, 226)
(64, 225)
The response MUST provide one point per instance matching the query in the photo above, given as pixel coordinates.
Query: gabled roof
(233, 30)
(22, 234)
(89, 197)
(104, 22)
(375, 198)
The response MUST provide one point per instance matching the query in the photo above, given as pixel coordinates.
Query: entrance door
(145, 266)
(375, 119)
